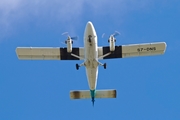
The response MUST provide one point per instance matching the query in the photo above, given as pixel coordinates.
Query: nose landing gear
(90, 38)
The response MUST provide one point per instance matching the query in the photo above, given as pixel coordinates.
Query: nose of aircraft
(89, 25)
(89, 30)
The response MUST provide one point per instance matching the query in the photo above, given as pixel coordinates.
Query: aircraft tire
(77, 67)
(104, 65)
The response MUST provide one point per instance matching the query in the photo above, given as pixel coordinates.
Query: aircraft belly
(91, 65)
(92, 77)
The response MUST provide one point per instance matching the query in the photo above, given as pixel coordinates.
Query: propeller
(116, 33)
(112, 36)
(69, 37)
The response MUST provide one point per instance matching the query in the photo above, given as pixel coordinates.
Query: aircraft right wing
(132, 50)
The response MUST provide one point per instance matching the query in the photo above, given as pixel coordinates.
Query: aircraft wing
(48, 53)
(132, 50)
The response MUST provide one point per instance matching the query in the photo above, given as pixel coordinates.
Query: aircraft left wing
(49, 53)
(132, 50)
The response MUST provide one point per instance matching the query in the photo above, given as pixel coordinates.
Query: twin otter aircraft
(91, 53)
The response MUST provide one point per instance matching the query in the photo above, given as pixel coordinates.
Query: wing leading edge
(133, 50)
(48, 53)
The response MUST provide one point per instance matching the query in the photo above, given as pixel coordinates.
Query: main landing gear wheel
(104, 65)
(77, 66)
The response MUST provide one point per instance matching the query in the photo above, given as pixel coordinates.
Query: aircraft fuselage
(91, 55)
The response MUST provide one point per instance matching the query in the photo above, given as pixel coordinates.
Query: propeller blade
(116, 33)
(65, 33)
(69, 37)
(64, 43)
(103, 35)
(74, 38)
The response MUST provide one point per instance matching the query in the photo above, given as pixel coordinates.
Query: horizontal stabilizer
(84, 94)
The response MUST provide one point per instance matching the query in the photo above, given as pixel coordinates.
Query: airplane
(91, 53)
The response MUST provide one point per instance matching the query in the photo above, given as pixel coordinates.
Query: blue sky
(148, 87)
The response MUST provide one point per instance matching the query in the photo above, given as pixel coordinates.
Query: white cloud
(20, 12)
(7, 7)
(17, 12)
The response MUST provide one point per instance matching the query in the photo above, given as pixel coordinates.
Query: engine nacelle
(69, 45)
(112, 41)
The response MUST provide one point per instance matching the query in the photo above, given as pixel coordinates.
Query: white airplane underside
(91, 54)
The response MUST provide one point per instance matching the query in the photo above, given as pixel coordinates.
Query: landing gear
(77, 66)
(89, 40)
(104, 65)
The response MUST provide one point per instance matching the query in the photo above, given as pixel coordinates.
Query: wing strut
(104, 55)
(76, 56)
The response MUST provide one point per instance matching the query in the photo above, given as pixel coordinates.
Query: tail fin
(84, 94)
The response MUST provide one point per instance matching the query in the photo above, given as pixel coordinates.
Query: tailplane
(87, 94)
